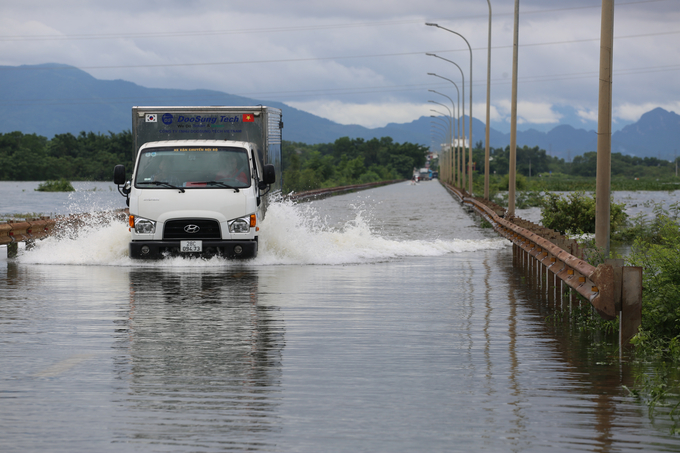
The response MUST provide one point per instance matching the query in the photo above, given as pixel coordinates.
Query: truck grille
(182, 229)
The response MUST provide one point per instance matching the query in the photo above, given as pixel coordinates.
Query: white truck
(200, 180)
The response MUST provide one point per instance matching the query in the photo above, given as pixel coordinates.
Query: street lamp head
(431, 73)
(430, 54)
(429, 24)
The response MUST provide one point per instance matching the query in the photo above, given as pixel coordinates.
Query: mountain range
(52, 99)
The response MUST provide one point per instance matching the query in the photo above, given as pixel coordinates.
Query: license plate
(191, 246)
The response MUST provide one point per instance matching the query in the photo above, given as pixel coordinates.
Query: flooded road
(385, 320)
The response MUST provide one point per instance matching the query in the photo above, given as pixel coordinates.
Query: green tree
(575, 213)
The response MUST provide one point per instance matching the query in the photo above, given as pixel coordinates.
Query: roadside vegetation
(537, 171)
(348, 161)
(655, 246)
(62, 185)
(86, 157)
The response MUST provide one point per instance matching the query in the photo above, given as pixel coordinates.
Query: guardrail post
(617, 267)
(631, 304)
(551, 284)
(12, 250)
(544, 275)
(559, 290)
(573, 297)
(537, 272)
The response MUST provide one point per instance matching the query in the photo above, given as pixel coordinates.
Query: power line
(145, 35)
(341, 57)
(204, 33)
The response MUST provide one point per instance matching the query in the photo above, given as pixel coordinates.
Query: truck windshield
(193, 167)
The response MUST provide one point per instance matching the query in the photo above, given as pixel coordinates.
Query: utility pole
(488, 111)
(604, 130)
(513, 118)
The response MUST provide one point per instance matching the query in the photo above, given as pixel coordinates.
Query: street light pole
(436, 127)
(460, 171)
(513, 118)
(456, 128)
(470, 83)
(442, 174)
(488, 111)
(448, 129)
(450, 114)
(453, 107)
(442, 153)
(440, 114)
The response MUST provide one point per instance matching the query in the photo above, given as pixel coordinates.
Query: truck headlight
(242, 224)
(144, 226)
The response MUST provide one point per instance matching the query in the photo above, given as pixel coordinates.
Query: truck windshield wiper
(164, 184)
(221, 184)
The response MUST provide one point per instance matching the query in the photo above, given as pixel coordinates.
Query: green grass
(558, 182)
(21, 216)
(61, 185)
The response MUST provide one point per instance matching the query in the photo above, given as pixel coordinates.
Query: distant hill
(52, 99)
(655, 134)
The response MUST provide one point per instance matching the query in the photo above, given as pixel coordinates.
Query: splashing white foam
(290, 234)
(295, 234)
(94, 243)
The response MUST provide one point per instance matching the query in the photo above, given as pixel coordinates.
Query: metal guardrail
(13, 232)
(554, 263)
(32, 229)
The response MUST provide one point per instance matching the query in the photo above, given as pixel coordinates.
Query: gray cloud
(354, 53)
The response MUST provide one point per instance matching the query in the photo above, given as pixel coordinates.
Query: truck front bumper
(162, 249)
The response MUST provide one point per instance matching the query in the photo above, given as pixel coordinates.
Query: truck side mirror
(119, 175)
(269, 174)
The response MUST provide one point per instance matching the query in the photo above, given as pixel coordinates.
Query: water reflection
(199, 359)
(518, 400)
(592, 373)
(19, 307)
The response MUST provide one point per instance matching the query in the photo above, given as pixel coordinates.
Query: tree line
(91, 156)
(86, 157)
(349, 161)
(535, 161)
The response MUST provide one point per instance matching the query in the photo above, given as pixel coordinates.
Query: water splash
(296, 234)
(290, 234)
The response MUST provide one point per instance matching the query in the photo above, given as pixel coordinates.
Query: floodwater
(20, 197)
(385, 320)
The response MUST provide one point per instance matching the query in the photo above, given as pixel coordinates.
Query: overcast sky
(362, 61)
